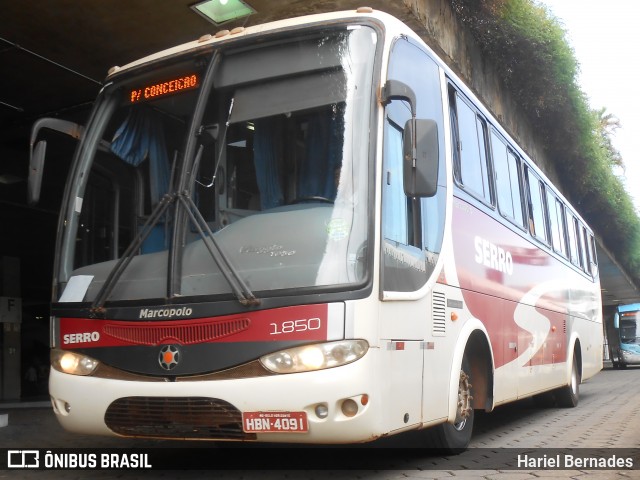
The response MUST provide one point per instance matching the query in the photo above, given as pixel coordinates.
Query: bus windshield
(629, 328)
(248, 162)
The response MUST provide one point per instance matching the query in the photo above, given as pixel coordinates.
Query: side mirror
(37, 152)
(421, 164)
(421, 150)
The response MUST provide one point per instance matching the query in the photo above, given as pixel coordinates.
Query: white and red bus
(309, 231)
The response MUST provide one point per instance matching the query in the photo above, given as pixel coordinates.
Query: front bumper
(212, 409)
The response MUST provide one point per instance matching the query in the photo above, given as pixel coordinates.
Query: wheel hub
(464, 401)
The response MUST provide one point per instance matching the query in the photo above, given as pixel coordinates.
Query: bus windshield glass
(630, 328)
(250, 159)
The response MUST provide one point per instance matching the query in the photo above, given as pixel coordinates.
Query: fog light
(67, 407)
(349, 408)
(322, 411)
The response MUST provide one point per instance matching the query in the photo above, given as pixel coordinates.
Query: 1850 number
(295, 326)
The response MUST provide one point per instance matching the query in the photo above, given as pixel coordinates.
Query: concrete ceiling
(55, 54)
(617, 287)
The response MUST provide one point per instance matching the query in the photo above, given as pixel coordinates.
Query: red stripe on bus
(307, 323)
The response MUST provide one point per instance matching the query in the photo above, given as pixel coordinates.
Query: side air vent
(438, 304)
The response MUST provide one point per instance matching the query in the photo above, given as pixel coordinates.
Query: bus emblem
(169, 357)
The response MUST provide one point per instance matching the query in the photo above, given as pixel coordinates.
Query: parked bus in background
(309, 231)
(624, 338)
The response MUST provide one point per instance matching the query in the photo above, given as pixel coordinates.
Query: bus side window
(573, 241)
(574, 253)
(593, 255)
(507, 168)
(537, 210)
(470, 137)
(556, 222)
(586, 259)
(576, 228)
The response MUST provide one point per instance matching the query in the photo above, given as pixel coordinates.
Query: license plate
(273, 422)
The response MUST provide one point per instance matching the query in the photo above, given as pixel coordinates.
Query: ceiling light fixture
(222, 11)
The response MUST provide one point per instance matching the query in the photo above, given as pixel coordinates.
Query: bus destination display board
(163, 89)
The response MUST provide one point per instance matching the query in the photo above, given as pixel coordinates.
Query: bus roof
(632, 307)
(225, 35)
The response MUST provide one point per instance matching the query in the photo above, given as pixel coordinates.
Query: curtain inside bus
(141, 136)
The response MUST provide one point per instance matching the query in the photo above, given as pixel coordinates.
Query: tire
(568, 396)
(544, 400)
(454, 438)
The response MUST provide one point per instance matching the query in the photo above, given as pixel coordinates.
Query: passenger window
(537, 211)
(508, 181)
(470, 148)
(576, 228)
(574, 252)
(557, 224)
(593, 255)
(586, 265)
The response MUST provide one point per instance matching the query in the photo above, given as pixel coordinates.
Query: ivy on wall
(531, 54)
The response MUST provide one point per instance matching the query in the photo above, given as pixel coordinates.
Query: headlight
(315, 357)
(72, 363)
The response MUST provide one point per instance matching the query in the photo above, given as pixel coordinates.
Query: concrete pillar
(10, 323)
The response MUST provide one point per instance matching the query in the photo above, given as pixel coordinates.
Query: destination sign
(162, 89)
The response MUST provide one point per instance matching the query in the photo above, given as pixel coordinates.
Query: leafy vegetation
(536, 63)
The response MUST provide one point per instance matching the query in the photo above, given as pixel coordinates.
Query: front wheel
(455, 437)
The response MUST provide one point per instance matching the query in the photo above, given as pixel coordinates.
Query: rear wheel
(544, 400)
(568, 396)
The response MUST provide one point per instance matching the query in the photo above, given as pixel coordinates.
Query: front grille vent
(197, 418)
(438, 304)
(185, 334)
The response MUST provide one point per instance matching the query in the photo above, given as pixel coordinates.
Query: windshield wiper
(124, 261)
(240, 289)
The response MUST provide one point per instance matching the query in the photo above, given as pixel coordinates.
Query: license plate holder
(275, 422)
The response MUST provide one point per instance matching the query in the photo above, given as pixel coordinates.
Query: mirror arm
(37, 151)
(63, 126)
(397, 90)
